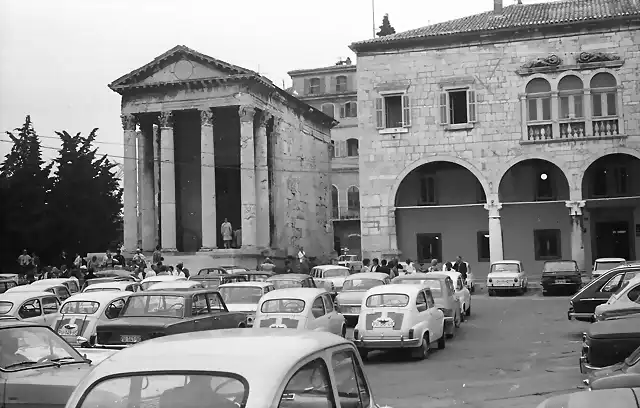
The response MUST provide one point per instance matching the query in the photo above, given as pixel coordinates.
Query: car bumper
(377, 343)
(586, 368)
(504, 287)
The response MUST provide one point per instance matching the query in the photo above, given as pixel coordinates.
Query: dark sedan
(609, 342)
(621, 375)
(560, 275)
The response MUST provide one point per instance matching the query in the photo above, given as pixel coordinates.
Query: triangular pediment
(177, 65)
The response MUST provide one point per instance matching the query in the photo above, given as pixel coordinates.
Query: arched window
(341, 84)
(349, 110)
(314, 86)
(335, 213)
(570, 93)
(604, 104)
(353, 202)
(538, 93)
(328, 109)
(352, 147)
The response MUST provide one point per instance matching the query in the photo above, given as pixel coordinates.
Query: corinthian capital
(575, 207)
(277, 125)
(494, 209)
(129, 122)
(246, 113)
(166, 119)
(206, 117)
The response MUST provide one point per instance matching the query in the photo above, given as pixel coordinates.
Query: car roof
(611, 260)
(255, 284)
(34, 288)
(368, 275)
(423, 275)
(112, 284)
(10, 323)
(99, 296)
(403, 288)
(175, 284)
(560, 260)
(506, 262)
(245, 273)
(162, 278)
(452, 274)
(306, 294)
(173, 293)
(17, 296)
(325, 267)
(52, 281)
(289, 276)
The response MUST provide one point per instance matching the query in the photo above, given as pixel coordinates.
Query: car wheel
(364, 354)
(422, 352)
(343, 331)
(545, 293)
(468, 312)
(441, 342)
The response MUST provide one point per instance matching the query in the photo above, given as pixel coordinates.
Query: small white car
(147, 282)
(299, 308)
(462, 293)
(115, 286)
(70, 283)
(350, 262)
(353, 290)
(468, 282)
(244, 297)
(399, 316)
(61, 291)
(602, 265)
(331, 276)
(177, 285)
(507, 276)
(624, 302)
(35, 307)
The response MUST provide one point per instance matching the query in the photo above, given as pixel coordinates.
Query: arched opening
(538, 93)
(571, 107)
(350, 110)
(352, 147)
(604, 104)
(440, 214)
(353, 202)
(335, 212)
(534, 216)
(611, 189)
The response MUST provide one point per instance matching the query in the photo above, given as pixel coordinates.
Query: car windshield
(505, 267)
(34, 346)
(434, 284)
(361, 284)
(283, 306)
(241, 294)
(388, 300)
(605, 266)
(101, 290)
(335, 273)
(172, 389)
(78, 307)
(286, 283)
(5, 307)
(154, 306)
(562, 266)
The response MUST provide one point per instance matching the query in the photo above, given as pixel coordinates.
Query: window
(458, 106)
(427, 190)
(328, 109)
(335, 212)
(603, 95)
(621, 177)
(393, 111)
(309, 384)
(349, 110)
(332, 149)
(421, 302)
(544, 186)
(634, 294)
(62, 292)
(353, 199)
(612, 285)
(199, 306)
(570, 94)
(328, 303)
(538, 93)
(430, 301)
(350, 382)
(314, 86)
(215, 302)
(317, 308)
(484, 253)
(29, 309)
(547, 244)
(50, 305)
(113, 310)
(599, 182)
(352, 147)
(341, 84)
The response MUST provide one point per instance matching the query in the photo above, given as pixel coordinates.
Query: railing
(344, 213)
(606, 127)
(568, 129)
(571, 129)
(539, 131)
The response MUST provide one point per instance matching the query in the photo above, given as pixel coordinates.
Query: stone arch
(533, 156)
(555, 81)
(536, 76)
(587, 78)
(595, 157)
(433, 159)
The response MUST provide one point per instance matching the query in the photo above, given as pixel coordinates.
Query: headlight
(515, 280)
(490, 280)
(250, 319)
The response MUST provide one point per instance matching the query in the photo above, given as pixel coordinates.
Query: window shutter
(334, 84)
(406, 111)
(307, 86)
(343, 112)
(471, 106)
(444, 111)
(379, 113)
(350, 83)
(322, 85)
(343, 148)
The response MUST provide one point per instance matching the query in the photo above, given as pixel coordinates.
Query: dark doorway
(612, 240)
(429, 247)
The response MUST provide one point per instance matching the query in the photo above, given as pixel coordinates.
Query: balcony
(572, 129)
(345, 213)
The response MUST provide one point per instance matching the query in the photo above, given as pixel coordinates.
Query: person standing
(156, 258)
(434, 266)
(365, 265)
(226, 229)
(411, 268)
(376, 265)
(24, 260)
(64, 260)
(383, 268)
(462, 267)
(267, 265)
(119, 258)
(77, 262)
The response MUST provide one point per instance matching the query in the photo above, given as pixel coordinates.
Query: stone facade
(497, 135)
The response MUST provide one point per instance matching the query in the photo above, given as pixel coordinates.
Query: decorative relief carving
(587, 57)
(246, 113)
(129, 122)
(550, 61)
(166, 119)
(206, 117)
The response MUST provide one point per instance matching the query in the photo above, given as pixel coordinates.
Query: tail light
(584, 337)
(250, 319)
(356, 334)
(410, 333)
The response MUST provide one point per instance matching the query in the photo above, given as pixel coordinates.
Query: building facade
(504, 136)
(333, 91)
(217, 142)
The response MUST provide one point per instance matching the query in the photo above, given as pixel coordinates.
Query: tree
(385, 28)
(86, 198)
(24, 186)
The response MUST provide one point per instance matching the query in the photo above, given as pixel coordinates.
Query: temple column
(130, 176)
(147, 201)
(168, 183)
(577, 243)
(156, 182)
(208, 182)
(247, 176)
(262, 183)
(495, 232)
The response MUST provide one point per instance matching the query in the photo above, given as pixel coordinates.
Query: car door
(201, 315)
(437, 317)
(50, 307)
(309, 386)
(348, 377)
(31, 310)
(220, 316)
(604, 293)
(317, 319)
(334, 321)
(423, 312)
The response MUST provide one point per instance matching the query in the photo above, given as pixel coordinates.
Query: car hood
(242, 307)
(338, 281)
(350, 297)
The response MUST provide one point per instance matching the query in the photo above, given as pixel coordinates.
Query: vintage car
(116, 273)
(176, 285)
(560, 275)
(252, 276)
(80, 314)
(222, 270)
(624, 302)
(352, 262)
(219, 367)
(70, 283)
(299, 308)
(583, 304)
(95, 281)
(38, 368)
(331, 276)
(36, 307)
(115, 286)
(244, 297)
(468, 282)
(443, 293)
(609, 342)
(619, 398)
(152, 280)
(353, 290)
(292, 280)
(399, 316)
(507, 276)
(7, 283)
(59, 290)
(462, 292)
(622, 375)
(602, 265)
(147, 315)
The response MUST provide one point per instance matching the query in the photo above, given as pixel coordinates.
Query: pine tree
(385, 28)
(24, 186)
(86, 196)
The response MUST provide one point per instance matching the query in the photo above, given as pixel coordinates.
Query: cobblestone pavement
(514, 351)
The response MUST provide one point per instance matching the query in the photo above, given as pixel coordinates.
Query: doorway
(429, 247)
(613, 240)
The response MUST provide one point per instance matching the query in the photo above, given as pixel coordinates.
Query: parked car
(116, 273)
(331, 276)
(69, 283)
(352, 262)
(625, 301)
(60, 291)
(7, 283)
(507, 276)
(622, 375)
(299, 369)
(36, 307)
(299, 308)
(176, 285)
(560, 275)
(221, 270)
(443, 293)
(354, 287)
(602, 265)
(609, 342)
(80, 315)
(623, 398)
(148, 315)
(583, 304)
(292, 280)
(95, 281)
(468, 281)
(115, 286)
(461, 292)
(244, 297)
(254, 276)
(399, 316)
(152, 280)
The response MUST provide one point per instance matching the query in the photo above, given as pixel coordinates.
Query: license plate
(130, 339)
(68, 332)
(561, 281)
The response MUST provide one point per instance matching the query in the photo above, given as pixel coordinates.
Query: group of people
(394, 267)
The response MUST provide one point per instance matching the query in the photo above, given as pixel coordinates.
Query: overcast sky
(57, 57)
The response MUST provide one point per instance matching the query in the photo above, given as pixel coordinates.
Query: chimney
(497, 6)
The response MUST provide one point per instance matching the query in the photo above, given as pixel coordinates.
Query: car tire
(364, 354)
(242, 326)
(343, 331)
(468, 312)
(422, 352)
(442, 342)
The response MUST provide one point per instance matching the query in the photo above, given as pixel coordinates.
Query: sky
(57, 57)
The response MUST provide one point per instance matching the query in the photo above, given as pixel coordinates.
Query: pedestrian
(77, 262)
(394, 268)
(366, 267)
(267, 265)
(64, 272)
(226, 229)
(383, 268)
(287, 267)
(411, 268)
(107, 260)
(139, 259)
(434, 266)
(448, 266)
(119, 258)
(157, 255)
(462, 267)
(375, 266)
(178, 271)
(24, 261)
(64, 260)
(153, 271)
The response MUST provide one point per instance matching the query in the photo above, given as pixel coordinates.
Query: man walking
(227, 233)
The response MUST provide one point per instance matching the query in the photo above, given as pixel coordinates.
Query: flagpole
(373, 17)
